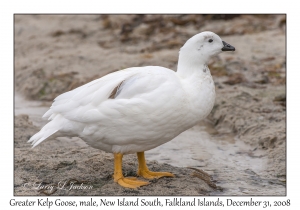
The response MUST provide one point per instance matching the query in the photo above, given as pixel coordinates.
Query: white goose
(139, 108)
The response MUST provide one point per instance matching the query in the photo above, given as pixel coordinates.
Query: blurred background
(242, 142)
(56, 53)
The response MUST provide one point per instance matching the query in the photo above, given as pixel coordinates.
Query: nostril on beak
(227, 47)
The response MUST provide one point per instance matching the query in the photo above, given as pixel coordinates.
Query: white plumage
(139, 108)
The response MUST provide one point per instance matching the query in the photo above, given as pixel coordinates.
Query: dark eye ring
(210, 40)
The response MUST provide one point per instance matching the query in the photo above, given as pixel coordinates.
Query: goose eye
(210, 40)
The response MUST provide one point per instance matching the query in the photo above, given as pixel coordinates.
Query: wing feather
(96, 100)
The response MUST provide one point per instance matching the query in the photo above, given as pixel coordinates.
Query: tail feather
(40, 136)
(47, 131)
(57, 127)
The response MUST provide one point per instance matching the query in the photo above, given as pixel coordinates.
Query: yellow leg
(144, 171)
(130, 182)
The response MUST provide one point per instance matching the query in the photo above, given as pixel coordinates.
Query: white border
(154, 6)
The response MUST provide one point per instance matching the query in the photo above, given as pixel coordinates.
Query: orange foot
(129, 182)
(143, 170)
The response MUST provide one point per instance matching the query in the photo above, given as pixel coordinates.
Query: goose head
(201, 47)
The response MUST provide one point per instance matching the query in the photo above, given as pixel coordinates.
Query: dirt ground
(56, 53)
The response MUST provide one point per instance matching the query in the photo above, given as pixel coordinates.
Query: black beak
(227, 47)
